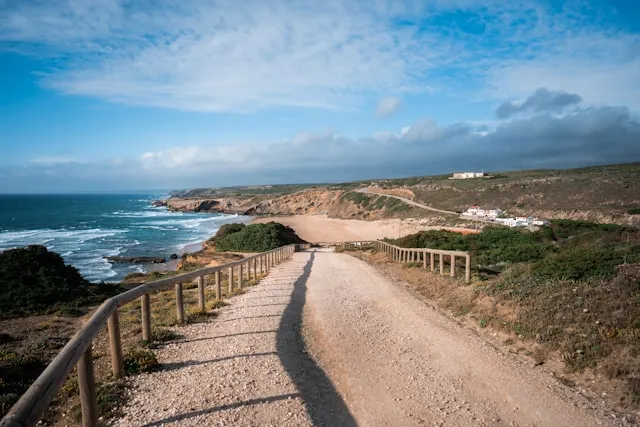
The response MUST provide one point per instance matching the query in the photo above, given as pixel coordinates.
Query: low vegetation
(254, 237)
(572, 289)
(34, 280)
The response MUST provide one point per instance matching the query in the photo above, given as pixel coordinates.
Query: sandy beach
(320, 228)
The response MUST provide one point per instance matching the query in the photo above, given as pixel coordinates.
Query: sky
(114, 95)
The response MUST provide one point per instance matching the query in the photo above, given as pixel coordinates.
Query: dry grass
(42, 337)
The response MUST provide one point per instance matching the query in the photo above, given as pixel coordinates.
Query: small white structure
(483, 213)
(467, 175)
(494, 213)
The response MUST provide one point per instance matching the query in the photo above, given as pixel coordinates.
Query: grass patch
(139, 360)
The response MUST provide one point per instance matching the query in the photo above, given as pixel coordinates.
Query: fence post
(467, 268)
(240, 272)
(218, 290)
(201, 302)
(424, 259)
(115, 343)
(432, 261)
(179, 303)
(441, 258)
(453, 266)
(230, 280)
(87, 386)
(145, 302)
(255, 268)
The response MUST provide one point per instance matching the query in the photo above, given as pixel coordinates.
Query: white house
(473, 210)
(467, 175)
(494, 213)
(481, 212)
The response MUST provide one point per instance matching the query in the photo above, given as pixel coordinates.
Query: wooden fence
(28, 410)
(418, 255)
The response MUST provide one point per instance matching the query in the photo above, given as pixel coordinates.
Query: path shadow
(323, 402)
(180, 365)
(187, 415)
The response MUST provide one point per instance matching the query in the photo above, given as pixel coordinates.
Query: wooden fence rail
(78, 351)
(418, 255)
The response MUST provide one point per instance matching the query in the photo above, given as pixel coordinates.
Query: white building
(467, 175)
(483, 213)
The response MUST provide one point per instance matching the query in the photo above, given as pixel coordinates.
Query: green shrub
(139, 360)
(17, 372)
(580, 263)
(633, 211)
(227, 229)
(34, 280)
(257, 238)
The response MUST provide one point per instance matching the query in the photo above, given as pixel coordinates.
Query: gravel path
(386, 359)
(248, 367)
(398, 362)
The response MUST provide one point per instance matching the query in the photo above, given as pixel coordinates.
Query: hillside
(605, 194)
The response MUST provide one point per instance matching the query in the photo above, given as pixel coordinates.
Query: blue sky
(122, 95)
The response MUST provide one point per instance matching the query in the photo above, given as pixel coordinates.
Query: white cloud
(228, 55)
(53, 160)
(388, 106)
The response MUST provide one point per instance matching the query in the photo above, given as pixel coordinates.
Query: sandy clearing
(320, 228)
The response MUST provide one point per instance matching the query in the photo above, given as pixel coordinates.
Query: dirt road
(326, 339)
(407, 201)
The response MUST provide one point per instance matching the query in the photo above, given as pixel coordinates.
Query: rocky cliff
(333, 203)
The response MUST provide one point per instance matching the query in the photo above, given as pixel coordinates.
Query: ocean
(85, 228)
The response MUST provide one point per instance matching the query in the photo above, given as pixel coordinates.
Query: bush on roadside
(256, 238)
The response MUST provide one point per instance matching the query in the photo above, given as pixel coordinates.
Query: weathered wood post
(218, 289)
(179, 303)
(240, 276)
(230, 280)
(255, 268)
(424, 259)
(467, 268)
(201, 301)
(453, 266)
(432, 261)
(145, 303)
(115, 343)
(441, 258)
(87, 386)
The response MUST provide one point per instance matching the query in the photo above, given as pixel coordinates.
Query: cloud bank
(543, 100)
(583, 135)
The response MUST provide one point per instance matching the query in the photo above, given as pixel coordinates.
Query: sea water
(86, 228)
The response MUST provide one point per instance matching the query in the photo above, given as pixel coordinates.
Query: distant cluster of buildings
(497, 215)
(468, 175)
